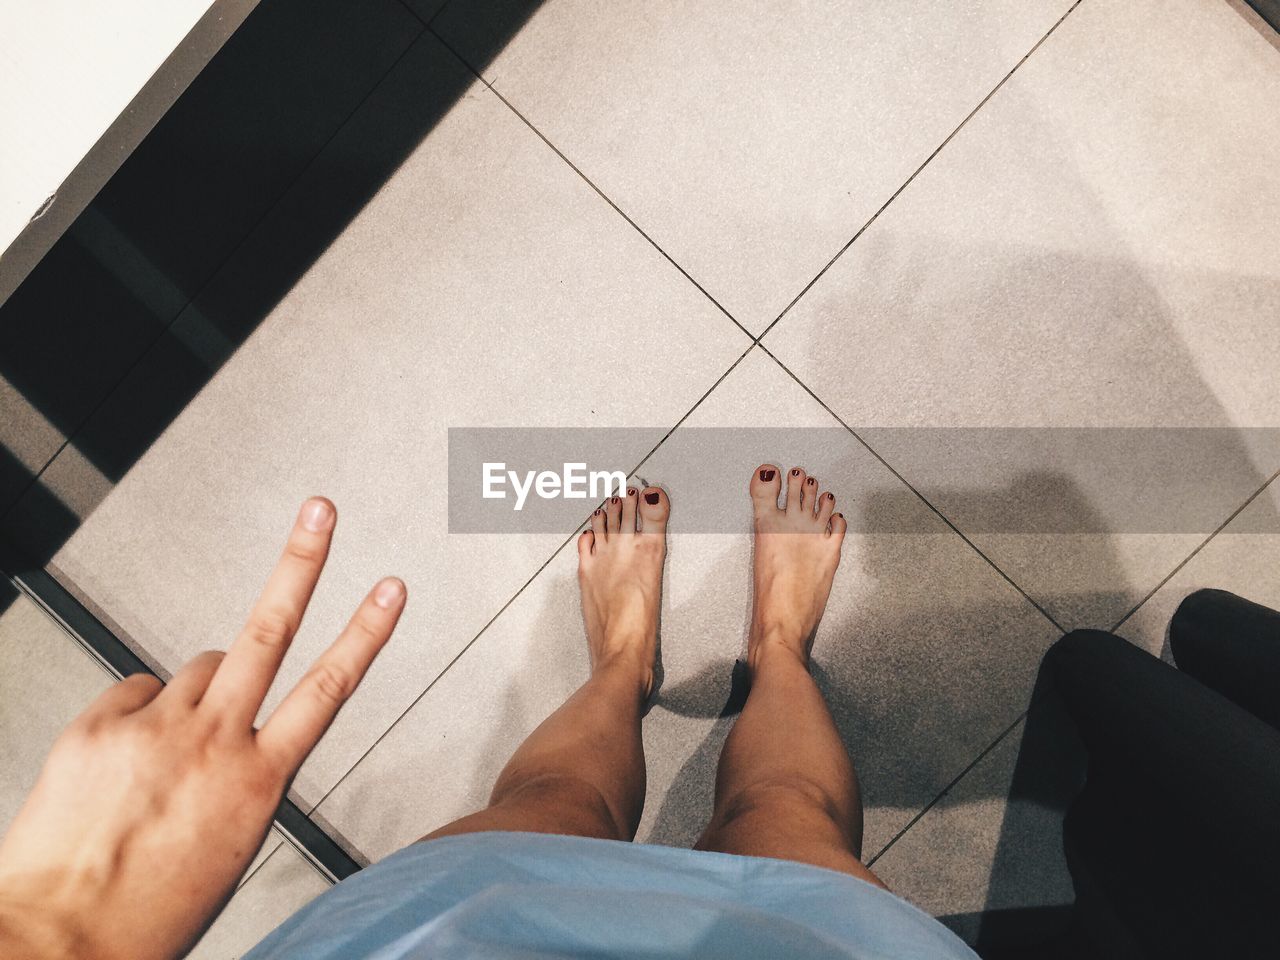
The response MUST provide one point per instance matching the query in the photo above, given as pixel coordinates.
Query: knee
(1082, 652)
(784, 800)
(562, 795)
(1085, 643)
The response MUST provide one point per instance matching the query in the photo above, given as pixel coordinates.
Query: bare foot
(620, 575)
(797, 550)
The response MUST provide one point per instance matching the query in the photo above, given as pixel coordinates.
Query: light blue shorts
(502, 896)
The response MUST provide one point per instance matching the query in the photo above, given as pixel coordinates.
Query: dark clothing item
(1174, 842)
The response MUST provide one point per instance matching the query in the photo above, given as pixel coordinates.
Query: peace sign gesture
(155, 799)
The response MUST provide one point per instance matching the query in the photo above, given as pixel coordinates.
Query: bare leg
(785, 786)
(581, 772)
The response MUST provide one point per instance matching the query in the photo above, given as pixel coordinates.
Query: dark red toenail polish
(631, 493)
(795, 472)
(652, 497)
(831, 496)
(597, 513)
(616, 500)
(840, 515)
(766, 475)
(811, 481)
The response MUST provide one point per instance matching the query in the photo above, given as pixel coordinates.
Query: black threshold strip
(319, 849)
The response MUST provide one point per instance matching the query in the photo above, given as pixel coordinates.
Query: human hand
(155, 799)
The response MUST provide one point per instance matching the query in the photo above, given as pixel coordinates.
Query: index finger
(241, 682)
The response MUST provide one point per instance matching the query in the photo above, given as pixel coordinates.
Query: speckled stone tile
(751, 140)
(1074, 257)
(925, 652)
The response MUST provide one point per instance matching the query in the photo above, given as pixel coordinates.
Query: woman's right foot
(797, 550)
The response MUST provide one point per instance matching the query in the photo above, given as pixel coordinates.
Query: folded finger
(304, 715)
(241, 682)
(190, 683)
(132, 693)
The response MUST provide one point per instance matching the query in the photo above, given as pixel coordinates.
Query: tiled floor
(597, 239)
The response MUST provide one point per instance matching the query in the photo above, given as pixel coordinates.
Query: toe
(598, 526)
(826, 505)
(629, 510)
(654, 510)
(586, 541)
(838, 527)
(766, 483)
(613, 515)
(795, 490)
(809, 496)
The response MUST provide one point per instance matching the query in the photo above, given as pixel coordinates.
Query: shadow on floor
(137, 286)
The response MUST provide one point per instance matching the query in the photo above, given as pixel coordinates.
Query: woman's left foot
(620, 574)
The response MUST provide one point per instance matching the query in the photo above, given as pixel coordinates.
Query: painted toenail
(598, 512)
(766, 475)
(831, 496)
(840, 515)
(795, 472)
(615, 500)
(631, 493)
(652, 497)
(811, 481)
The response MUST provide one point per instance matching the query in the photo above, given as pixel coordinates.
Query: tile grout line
(929, 159)
(590, 183)
(439, 676)
(949, 787)
(756, 341)
(470, 643)
(923, 499)
(1191, 556)
(217, 270)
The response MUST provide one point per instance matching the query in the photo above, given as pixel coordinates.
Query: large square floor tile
(1077, 257)
(751, 140)
(925, 653)
(438, 306)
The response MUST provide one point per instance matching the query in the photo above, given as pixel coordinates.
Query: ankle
(626, 667)
(776, 646)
